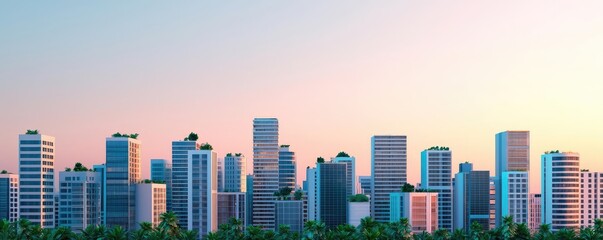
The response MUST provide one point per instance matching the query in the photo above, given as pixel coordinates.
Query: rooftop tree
(320, 160)
(4, 172)
(32, 132)
(192, 137)
(359, 198)
(133, 135)
(407, 187)
(206, 146)
(343, 154)
(79, 167)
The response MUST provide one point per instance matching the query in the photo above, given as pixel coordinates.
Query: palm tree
(441, 234)
(458, 234)
(423, 236)
(117, 233)
(598, 227)
(508, 227)
(169, 222)
(344, 232)
(522, 232)
(314, 230)
(23, 229)
(284, 232)
(589, 234)
(254, 233)
(565, 234)
(189, 235)
(371, 234)
(476, 231)
(367, 223)
(544, 232)
(5, 229)
(400, 229)
(269, 235)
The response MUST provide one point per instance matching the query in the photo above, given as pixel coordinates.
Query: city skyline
(333, 74)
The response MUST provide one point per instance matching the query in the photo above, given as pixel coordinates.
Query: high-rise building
(365, 185)
(436, 174)
(591, 197)
(123, 171)
(235, 174)
(327, 194)
(350, 162)
(161, 170)
(180, 176)
(512, 156)
(249, 200)
(471, 198)
(561, 190)
(232, 205)
(36, 176)
(290, 213)
(80, 199)
(388, 169)
(220, 175)
(9, 196)
(203, 190)
(102, 171)
(420, 208)
(535, 215)
(151, 202)
(265, 170)
(286, 168)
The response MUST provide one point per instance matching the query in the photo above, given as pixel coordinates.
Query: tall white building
(235, 174)
(436, 174)
(591, 197)
(180, 176)
(9, 196)
(36, 175)
(151, 202)
(350, 162)
(388, 169)
(123, 171)
(535, 216)
(512, 175)
(203, 190)
(561, 190)
(80, 199)
(265, 170)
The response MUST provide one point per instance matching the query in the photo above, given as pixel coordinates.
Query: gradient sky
(335, 73)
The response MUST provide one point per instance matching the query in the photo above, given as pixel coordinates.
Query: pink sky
(443, 73)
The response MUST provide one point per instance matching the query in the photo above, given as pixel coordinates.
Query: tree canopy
(407, 187)
(192, 137)
(31, 132)
(359, 198)
(133, 135)
(79, 167)
(320, 160)
(439, 148)
(206, 146)
(342, 154)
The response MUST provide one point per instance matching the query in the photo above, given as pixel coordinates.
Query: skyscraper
(471, 198)
(388, 169)
(286, 168)
(327, 194)
(36, 175)
(436, 174)
(561, 190)
(420, 208)
(122, 173)
(350, 162)
(591, 197)
(535, 218)
(80, 199)
(265, 170)
(161, 170)
(180, 175)
(512, 176)
(9, 196)
(203, 190)
(235, 174)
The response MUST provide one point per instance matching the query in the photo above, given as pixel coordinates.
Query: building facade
(591, 184)
(101, 169)
(122, 173)
(151, 202)
(388, 169)
(235, 173)
(358, 211)
(512, 155)
(535, 217)
(350, 172)
(249, 202)
(232, 205)
(471, 198)
(161, 170)
(420, 208)
(80, 199)
(9, 197)
(286, 168)
(36, 176)
(365, 185)
(290, 213)
(203, 191)
(180, 176)
(561, 190)
(436, 174)
(327, 200)
(265, 170)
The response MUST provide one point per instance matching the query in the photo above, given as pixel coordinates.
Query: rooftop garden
(320, 160)
(285, 194)
(206, 146)
(407, 187)
(79, 167)
(133, 135)
(285, 146)
(439, 148)
(149, 181)
(236, 154)
(31, 132)
(192, 137)
(359, 198)
(4, 172)
(343, 154)
(552, 152)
